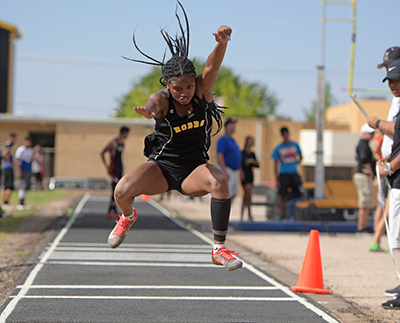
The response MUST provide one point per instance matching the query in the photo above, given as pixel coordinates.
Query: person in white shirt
(24, 156)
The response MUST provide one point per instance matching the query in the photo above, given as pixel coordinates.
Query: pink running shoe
(120, 230)
(223, 257)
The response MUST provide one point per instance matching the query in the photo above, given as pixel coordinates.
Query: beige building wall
(22, 129)
(78, 147)
(349, 114)
(78, 143)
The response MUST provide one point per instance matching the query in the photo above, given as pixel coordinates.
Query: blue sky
(68, 63)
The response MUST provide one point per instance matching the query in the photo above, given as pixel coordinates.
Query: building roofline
(15, 30)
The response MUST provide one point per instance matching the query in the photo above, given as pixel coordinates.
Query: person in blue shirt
(287, 155)
(229, 156)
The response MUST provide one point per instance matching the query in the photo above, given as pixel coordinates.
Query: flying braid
(179, 64)
(178, 47)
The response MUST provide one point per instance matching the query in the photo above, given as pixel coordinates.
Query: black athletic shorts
(8, 179)
(175, 174)
(290, 185)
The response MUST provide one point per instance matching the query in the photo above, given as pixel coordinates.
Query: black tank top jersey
(116, 156)
(183, 139)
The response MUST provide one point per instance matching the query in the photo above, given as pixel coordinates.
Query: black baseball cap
(229, 120)
(393, 71)
(392, 54)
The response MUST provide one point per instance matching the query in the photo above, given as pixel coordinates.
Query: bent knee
(219, 182)
(123, 191)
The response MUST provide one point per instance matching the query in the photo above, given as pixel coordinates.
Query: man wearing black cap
(387, 127)
(391, 54)
(391, 166)
(229, 156)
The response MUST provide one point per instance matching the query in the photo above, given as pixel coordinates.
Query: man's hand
(371, 120)
(382, 172)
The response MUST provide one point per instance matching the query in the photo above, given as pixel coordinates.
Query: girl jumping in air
(177, 150)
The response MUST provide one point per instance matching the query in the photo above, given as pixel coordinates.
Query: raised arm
(110, 146)
(210, 74)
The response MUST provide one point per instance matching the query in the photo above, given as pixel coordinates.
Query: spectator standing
(287, 155)
(363, 178)
(387, 128)
(229, 156)
(38, 167)
(8, 169)
(249, 161)
(23, 157)
(390, 166)
(115, 168)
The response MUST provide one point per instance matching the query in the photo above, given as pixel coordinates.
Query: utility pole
(319, 169)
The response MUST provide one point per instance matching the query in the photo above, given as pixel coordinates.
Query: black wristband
(377, 124)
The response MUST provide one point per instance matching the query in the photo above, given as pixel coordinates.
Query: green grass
(33, 199)
(22, 253)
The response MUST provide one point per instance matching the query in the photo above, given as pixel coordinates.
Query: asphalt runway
(161, 273)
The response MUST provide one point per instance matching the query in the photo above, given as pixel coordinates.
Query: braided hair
(179, 64)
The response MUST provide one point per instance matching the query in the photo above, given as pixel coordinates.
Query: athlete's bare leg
(145, 178)
(205, 179)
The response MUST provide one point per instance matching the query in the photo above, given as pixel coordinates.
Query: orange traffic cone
(144, 197)
(310, 279)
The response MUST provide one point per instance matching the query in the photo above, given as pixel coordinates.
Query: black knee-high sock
(220, 212)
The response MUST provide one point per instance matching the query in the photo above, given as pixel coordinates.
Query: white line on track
(198, 287)
(141, 250)
(134, 264)
(179, 298)
(132, 256)
(10, 307)
(137, 245)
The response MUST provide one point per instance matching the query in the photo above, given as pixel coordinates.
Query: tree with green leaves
(330, 100)
(242, 98)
